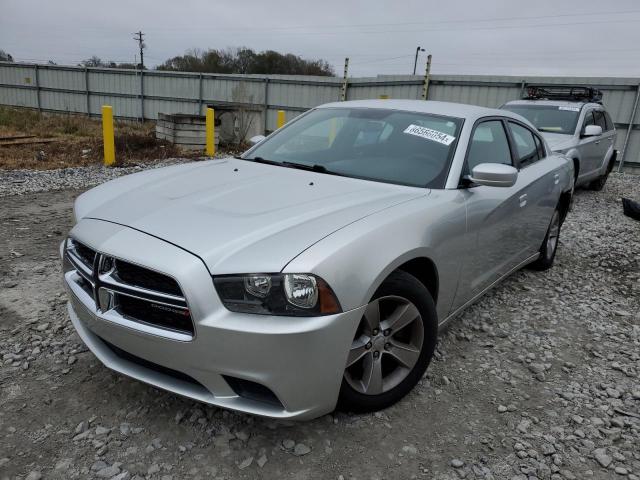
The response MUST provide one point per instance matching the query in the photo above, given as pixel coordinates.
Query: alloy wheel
(386, 346)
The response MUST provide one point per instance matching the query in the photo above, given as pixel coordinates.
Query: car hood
(239, 216)
(558, 142)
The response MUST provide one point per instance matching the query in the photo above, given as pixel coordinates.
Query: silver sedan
(316, 269)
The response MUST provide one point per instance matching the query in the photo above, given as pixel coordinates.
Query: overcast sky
(567, 37)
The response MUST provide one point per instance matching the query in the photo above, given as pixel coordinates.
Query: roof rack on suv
(563, 92)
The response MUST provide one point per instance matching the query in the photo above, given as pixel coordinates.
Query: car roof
(451, 109)
(554, 103)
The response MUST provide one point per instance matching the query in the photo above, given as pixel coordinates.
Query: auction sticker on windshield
(429, 134)
(569, 109)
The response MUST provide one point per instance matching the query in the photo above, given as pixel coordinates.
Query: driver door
(496, 216)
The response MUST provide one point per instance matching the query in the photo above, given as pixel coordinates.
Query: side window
(526, 146)
(588, 120)
(489, 144)
(539, 147)
(610, 124)
(598, 116)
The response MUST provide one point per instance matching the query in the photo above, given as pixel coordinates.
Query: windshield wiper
(313, 168)
(263, 160)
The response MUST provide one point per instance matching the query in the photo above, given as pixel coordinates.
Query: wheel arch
(420, 266)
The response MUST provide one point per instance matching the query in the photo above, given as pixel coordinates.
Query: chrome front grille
(120, 289)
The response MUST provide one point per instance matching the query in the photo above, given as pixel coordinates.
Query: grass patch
(78, 141)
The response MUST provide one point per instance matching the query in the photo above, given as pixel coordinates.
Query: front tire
(392, 347)
(549, 245)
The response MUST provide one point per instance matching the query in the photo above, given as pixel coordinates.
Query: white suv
(574, 122)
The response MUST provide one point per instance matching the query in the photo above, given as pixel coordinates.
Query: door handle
(556, 178)
(523, 200)
(597, 142)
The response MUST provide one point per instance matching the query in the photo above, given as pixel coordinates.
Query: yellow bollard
(107, 136)
(281, 119)
(211, 133)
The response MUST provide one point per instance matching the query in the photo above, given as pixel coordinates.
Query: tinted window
(607, 117)
(374, 144)
(549, 118)
(489, 144)
(598, 116)
(526, 147)
(540, 147)
(588, 120)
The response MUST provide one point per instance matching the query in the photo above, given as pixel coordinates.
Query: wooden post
(107, 136)
(345, 82)
(425, 85)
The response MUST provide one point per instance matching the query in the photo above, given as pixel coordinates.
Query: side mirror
(494, 175)
(257, 139)
(592, 131)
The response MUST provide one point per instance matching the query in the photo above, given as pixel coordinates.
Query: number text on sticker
(429, 134)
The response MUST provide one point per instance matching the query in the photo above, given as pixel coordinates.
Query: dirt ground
(539, 380)
(41, 141)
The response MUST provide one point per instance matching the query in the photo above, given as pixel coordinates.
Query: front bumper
(300, 360)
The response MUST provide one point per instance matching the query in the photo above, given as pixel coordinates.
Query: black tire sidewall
(544, 263)
(404, 285)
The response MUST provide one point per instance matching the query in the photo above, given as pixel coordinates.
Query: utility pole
(139, 36)
(415, 63)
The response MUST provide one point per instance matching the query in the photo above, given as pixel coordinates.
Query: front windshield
(549, 118)
(374, 144)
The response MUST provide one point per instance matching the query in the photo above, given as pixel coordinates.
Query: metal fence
(143, 94)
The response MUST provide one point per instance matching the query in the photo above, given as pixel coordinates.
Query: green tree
(245, 60)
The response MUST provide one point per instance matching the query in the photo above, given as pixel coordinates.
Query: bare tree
(243, 116)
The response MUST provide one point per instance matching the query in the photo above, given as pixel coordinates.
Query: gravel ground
(539, 380)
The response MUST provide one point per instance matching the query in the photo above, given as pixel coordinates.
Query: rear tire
(392, 347)
(549, 245)
(599, 183)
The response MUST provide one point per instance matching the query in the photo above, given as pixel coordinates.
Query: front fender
(356, 259)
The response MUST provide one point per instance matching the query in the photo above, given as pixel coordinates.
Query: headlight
(295, 294)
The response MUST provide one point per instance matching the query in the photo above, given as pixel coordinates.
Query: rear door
(494, 214)
(542, 191)
(605, 140)
(589, 148)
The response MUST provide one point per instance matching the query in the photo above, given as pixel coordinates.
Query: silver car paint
(234, 216)
(592, 153)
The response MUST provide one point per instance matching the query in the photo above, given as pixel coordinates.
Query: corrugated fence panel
(115, 81)
(63, 89)
(171, 87)
(63, 101)
(16, 75)
(122, 106)
(67, 79)
(18, 97)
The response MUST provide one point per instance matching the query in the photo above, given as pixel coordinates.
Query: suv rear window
(549, 118)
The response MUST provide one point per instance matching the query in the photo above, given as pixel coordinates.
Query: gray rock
(457, 463)
(301, 449)
(288, 444)
(602, 458)
(108, 472)
(245, 463)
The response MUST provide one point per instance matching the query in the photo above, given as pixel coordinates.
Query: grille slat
(137, 293)
(145, 278)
